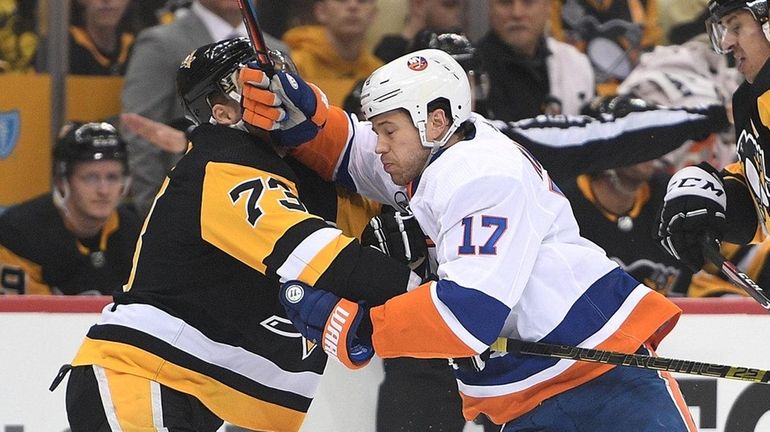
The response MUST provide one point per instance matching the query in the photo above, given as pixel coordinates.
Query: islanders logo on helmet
(417, 63)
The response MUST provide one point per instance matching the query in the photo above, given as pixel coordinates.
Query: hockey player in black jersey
(734, 204)
(198, 335)
(79, 239)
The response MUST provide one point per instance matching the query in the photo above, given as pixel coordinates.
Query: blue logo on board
(10, 124)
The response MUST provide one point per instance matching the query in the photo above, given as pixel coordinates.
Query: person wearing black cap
(78, 239)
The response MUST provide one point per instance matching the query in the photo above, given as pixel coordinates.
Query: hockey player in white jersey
(511, 261)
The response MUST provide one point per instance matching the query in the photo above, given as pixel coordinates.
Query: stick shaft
(631, 360)
(731, 272)
(249, 13)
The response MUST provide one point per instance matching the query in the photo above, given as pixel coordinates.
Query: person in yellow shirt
(333, 54)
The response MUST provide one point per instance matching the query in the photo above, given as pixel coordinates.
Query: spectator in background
(18, 40)
(149, 89)
(529, 71)
(612, 33)
(334, 54)
(679, 20)
(439, 16)
(616, 209)
(100, 38)
(78, 239)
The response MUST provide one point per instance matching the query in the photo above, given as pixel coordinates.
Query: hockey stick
(731, 271)
(249, 13)
(630, 360)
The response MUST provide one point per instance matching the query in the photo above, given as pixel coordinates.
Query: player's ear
(438, 122)
(61, 191)
(228, 113)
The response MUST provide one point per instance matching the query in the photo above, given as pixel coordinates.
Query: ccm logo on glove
(700, 185)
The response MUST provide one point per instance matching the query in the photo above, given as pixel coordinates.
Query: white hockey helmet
(414, 82)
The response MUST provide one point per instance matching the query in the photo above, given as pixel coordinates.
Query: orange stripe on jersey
(642, 325)
(650, 321)
(320, 115)
(245, 211)
(322, 152)
(681, 404)
(226, 402)
(409, 325)
(501, 409)
(676, 395)
(321, 261)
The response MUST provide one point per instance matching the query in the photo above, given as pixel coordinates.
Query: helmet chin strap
(434, 145)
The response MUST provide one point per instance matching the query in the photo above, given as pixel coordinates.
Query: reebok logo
(333, 331)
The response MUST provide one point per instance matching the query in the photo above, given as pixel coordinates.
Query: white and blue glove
(693, 212)
(287, 106)
(340, 326)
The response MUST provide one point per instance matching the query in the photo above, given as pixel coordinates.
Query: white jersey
(511, 263)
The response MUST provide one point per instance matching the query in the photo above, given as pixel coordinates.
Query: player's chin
(100, 210)
(399, 179)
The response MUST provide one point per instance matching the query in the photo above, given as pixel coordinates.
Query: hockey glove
(290, 108)
(617, 106)
(693, 211)
(341, 326)
(397, 235)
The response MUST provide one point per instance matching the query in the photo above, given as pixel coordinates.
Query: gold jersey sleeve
(246, 212)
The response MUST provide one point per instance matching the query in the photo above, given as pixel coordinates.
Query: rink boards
(40, 334)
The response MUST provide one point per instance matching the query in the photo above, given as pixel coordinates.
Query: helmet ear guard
(415, 83)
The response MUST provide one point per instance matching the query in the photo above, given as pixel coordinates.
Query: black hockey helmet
(457, 45)
(718, 9)
(208, 71)
(85, 142)
(212, 70)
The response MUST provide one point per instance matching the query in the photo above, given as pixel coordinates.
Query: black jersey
(39, 255)
(746, 180)
(628, 239)
(87, 59)
(201, 314)
(571, 145)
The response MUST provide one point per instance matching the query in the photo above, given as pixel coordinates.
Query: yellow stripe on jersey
(245, 211)
(227, 403)
(20, 276)
(138, 248)
(759, 260)
(132, 400)
(354, 212)
(763, 107)
(321, 261)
